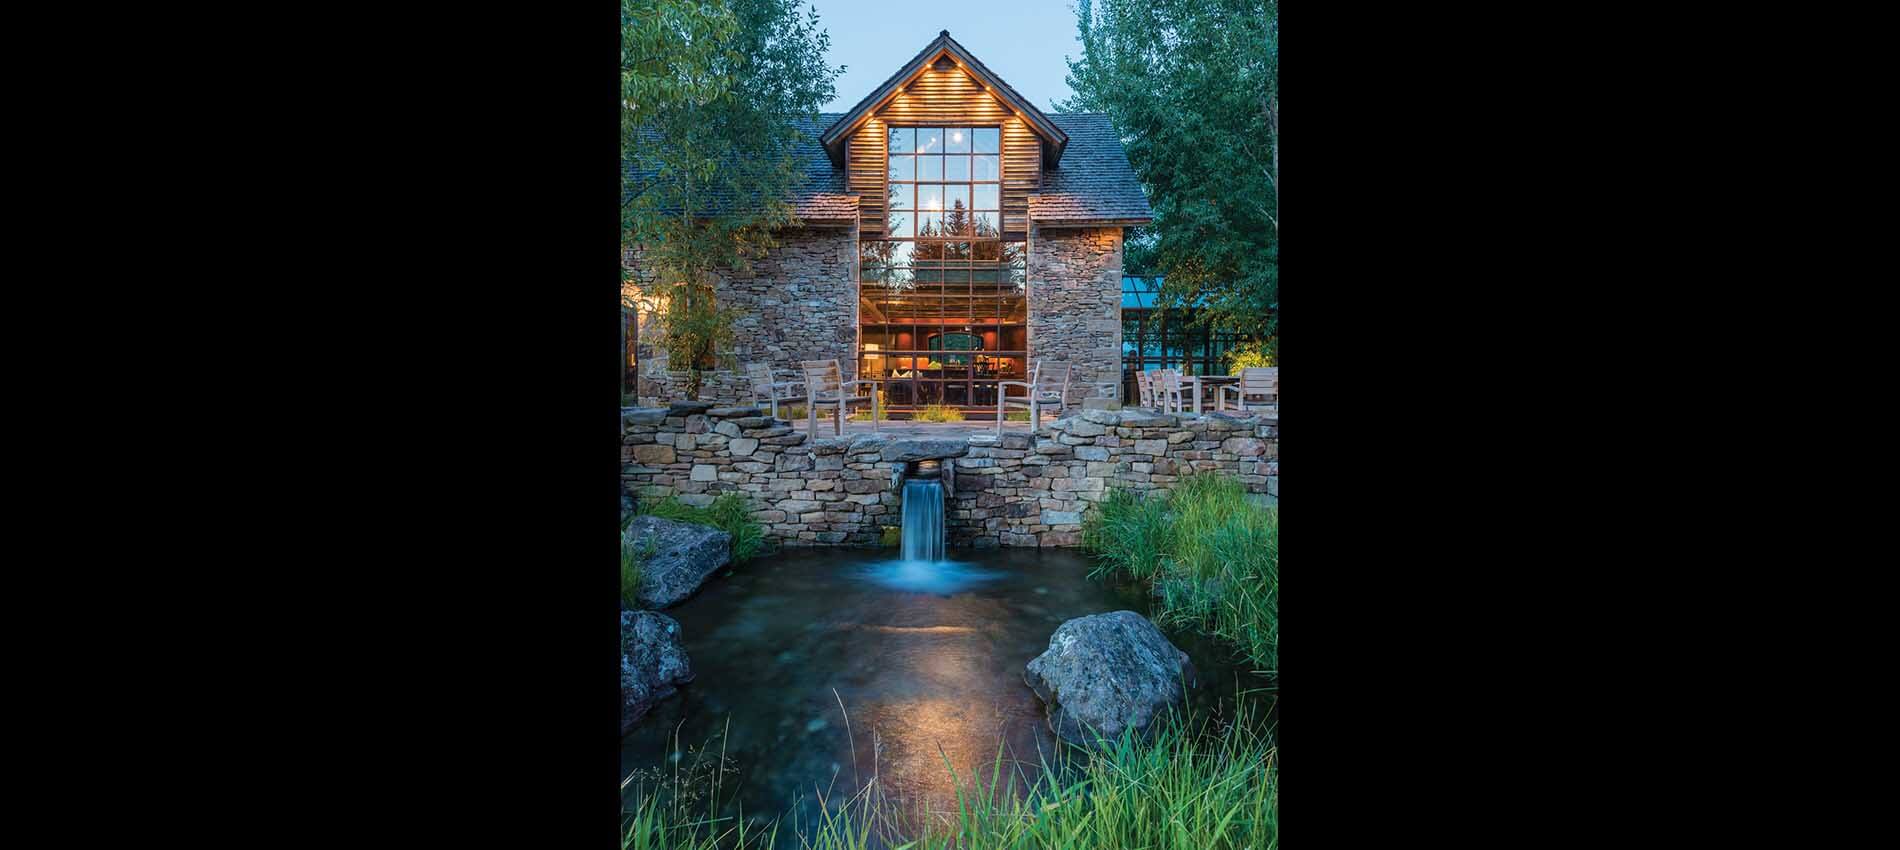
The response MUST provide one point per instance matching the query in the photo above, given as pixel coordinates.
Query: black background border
(445, 291)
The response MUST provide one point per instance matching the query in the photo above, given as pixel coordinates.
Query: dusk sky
(1023, 41)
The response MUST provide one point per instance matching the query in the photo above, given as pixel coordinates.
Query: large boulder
(678, 557)
(1106, 673)
(652, 663)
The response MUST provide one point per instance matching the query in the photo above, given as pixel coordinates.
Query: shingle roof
(823, 196)
(1094, 181)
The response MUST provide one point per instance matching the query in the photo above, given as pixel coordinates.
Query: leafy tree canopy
(711, 94)
(1193, 85)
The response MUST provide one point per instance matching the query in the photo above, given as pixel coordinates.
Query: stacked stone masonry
(1013, 489)
(798, 302)
(1075, 300)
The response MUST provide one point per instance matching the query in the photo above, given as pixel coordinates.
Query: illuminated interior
(942, 303)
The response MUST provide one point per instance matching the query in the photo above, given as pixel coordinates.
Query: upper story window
(945, 183)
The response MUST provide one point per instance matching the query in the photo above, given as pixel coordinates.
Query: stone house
(952, 236)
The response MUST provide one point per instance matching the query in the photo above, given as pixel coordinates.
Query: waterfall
(923, 519)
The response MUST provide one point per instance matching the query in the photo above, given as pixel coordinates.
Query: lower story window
(942, 321)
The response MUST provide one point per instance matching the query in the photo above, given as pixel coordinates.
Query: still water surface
(926, 658)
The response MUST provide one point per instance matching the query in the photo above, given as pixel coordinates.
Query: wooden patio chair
(825, 384)
(1169, 391)
(1144, 387)
(1257, 382)
(1042, 389)
(765, 384)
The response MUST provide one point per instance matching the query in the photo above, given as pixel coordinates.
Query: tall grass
(680, 806)
(1193, 785)
(728, 513)
(1212, 557)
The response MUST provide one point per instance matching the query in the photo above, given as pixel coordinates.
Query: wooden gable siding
(945, 96)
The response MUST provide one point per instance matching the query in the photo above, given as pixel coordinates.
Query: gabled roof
(1094, 183)
(1054, 140)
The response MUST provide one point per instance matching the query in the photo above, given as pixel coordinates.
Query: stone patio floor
(919, 430)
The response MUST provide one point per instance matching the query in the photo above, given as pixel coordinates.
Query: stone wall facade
(1013, 489)
(1075, 303)
(799, 302)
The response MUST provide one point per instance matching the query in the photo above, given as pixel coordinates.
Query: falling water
(923, 520)
(923, 567)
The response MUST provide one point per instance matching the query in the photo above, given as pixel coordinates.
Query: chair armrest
(849, 383)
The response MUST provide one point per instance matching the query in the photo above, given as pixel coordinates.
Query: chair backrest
(760, 375)
(1055, 379)
(1168, 380)
(821, 376)
(1141, 385)
(1260, 380)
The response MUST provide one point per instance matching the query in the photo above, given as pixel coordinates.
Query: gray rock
(865, 442)
(683, 407)
(1085, 428)
(905, 451)
(1143, 419)
(683, 556)
(652, 663)
(1106, 673)
(643, 415)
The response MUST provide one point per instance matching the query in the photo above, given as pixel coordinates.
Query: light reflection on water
(926, 576)
(927, 659)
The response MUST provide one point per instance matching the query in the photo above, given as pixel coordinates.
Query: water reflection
(926, 660)
(942, 577)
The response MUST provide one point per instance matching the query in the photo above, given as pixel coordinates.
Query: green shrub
(1253, 355)
(938, 413)
(1211, 555)
(728, 513)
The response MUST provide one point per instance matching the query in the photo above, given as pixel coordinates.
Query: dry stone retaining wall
(1016, 489)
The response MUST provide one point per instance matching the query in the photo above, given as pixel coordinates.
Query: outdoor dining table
(1212, 381)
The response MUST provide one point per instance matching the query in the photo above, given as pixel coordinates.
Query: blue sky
(1023, 41)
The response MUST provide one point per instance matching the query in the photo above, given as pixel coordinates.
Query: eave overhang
(1054, 141)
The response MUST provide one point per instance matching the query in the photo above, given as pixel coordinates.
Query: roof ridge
(1054, 137)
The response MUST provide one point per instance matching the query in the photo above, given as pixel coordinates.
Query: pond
(925, 660)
